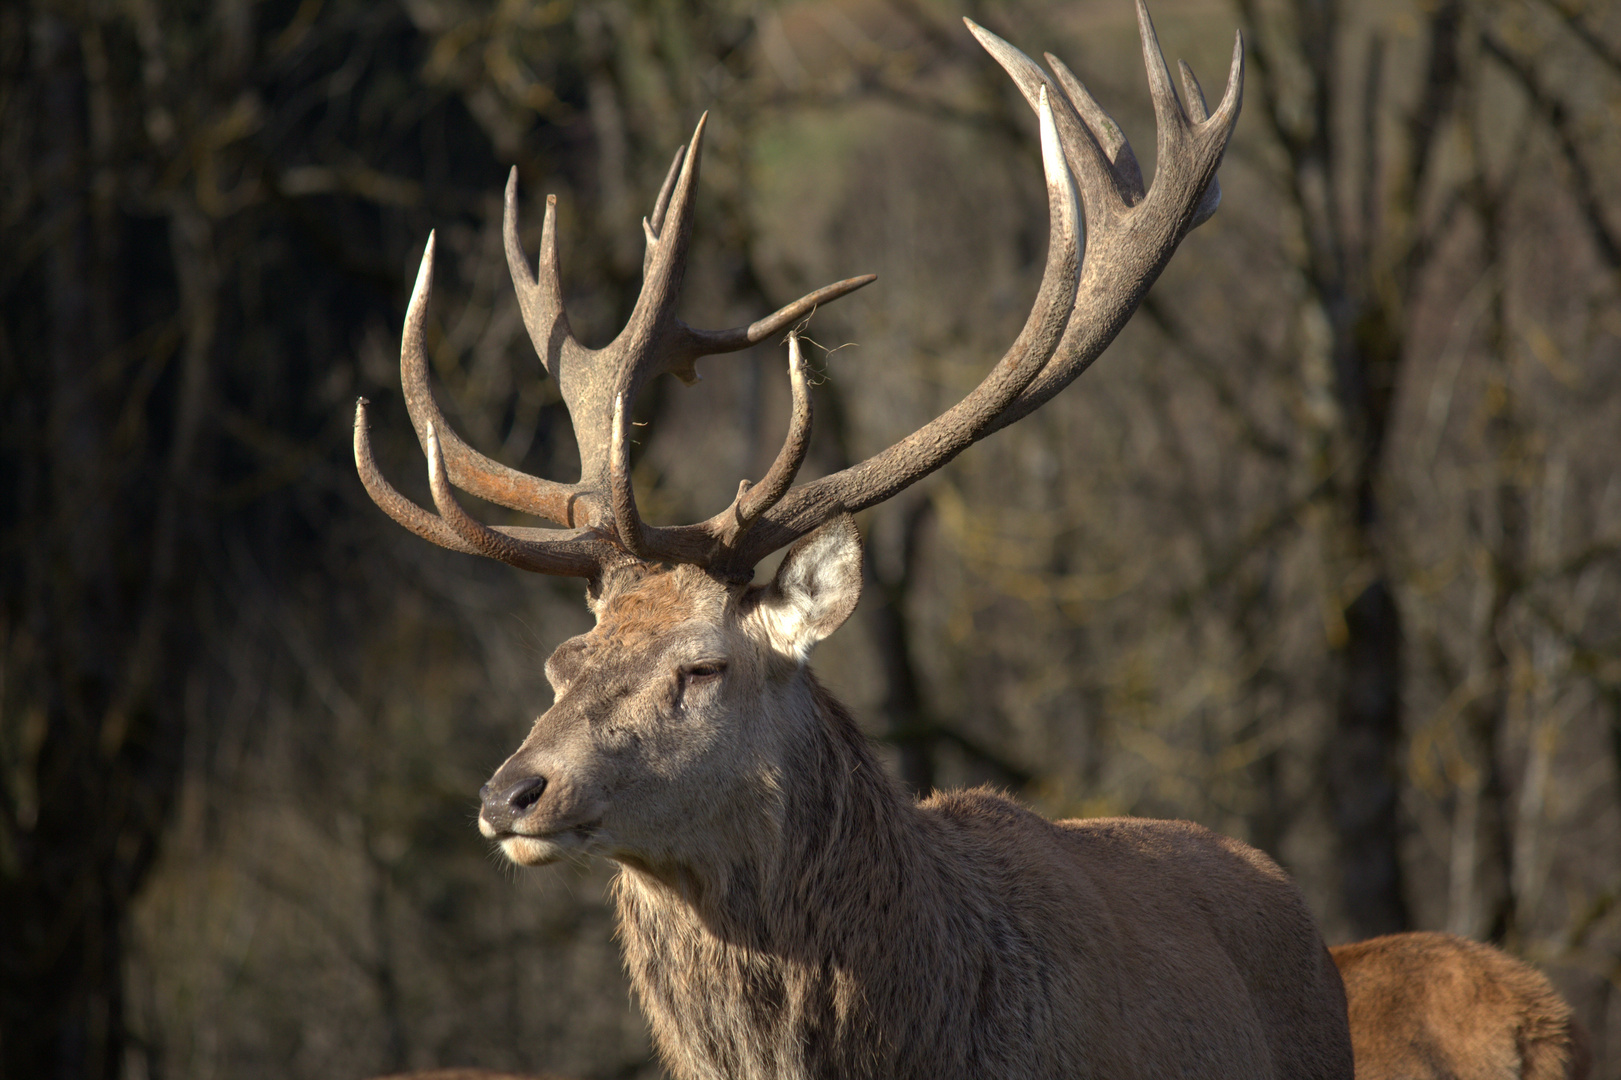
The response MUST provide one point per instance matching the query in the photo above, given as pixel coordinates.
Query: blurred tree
(159, 192)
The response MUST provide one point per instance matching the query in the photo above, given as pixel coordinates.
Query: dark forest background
(1325, 553)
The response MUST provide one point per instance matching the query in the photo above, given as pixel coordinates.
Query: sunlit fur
(787, 911)
(1428, 1006)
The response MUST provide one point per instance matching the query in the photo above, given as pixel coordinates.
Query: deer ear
(815, 590)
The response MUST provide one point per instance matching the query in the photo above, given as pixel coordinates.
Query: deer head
(690, 698)
(675, 715)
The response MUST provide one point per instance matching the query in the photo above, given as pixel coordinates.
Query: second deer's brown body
(1428, 1006)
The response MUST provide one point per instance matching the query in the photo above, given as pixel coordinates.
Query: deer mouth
(539, 848)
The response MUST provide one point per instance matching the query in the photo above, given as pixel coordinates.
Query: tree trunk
(1364, 766)
(84, 802)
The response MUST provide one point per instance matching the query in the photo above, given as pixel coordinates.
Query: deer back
(1432, 1006)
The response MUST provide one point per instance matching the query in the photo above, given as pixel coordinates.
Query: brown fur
(787, 911)
(968, 937)
(1428, 1006)
(634, 617)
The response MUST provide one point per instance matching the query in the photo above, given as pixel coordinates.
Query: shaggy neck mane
(776, 964)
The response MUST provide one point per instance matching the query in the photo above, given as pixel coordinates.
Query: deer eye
(704, 671)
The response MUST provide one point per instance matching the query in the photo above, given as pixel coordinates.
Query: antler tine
(394, 504)
(540, 293)
(1169, 119)
(937, 442)
(641, 350)
(1232, 97)
(468, 469)
(709, 342)
(1128, 174)
(1199, 112)
(654, 225)
(754, 500)
(1111, 137)
(1134, 250)
(713, 543)
(569, 557)
(570, 554)
(1090, 147)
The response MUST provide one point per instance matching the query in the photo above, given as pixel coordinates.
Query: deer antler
(594, 383)
(1132, 234)
(1078, 310)
(732, 546)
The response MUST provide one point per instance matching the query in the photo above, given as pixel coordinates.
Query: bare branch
(1605, 238)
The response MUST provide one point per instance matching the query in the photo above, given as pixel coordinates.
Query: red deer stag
(1428, 1006)
(784, 908)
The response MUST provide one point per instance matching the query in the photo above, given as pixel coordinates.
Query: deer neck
(792, 929)
(811, 825)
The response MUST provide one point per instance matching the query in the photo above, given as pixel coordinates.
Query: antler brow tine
(468, 469)
(394, 504)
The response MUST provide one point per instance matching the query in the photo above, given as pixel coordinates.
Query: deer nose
(503, 807)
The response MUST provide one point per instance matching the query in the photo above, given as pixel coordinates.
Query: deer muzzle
(503, 805)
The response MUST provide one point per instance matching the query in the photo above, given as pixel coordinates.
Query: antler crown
(1079, 308)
